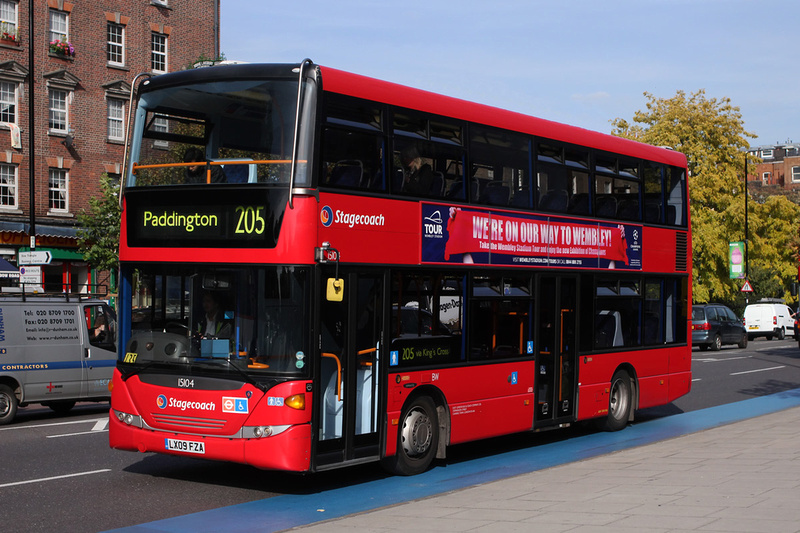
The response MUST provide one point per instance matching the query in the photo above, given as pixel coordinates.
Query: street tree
(98, 235)
(711, 133)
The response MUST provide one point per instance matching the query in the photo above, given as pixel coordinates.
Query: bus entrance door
(556, 363)
(350, 341)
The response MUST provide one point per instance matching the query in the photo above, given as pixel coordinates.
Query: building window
(8, 185)
(8, 20)
(115, 47)
(116, 120)
(765, 177)
(796, 174)
(162, 125)
(59, 115)
(59, 26)
(766, 154)
(158, 56)
(58, 192)
(8, 102)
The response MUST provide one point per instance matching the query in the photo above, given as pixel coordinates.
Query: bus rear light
(297, 401)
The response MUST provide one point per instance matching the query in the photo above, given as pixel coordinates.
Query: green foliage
(711, 133)
(98, 236)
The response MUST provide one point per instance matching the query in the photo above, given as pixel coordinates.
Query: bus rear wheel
(620, 401)
(417, 439)
(8, 404)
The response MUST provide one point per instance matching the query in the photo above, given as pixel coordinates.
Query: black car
(714, 325)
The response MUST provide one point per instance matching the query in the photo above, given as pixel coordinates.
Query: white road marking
(95, 420)
(53, 478)
(757, 370)
(80, 433)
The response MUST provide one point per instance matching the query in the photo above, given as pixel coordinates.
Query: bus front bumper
(289, 450)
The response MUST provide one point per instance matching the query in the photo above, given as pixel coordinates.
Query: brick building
(85, 56)
(780, 166)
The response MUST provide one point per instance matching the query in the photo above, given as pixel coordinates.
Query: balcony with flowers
(62, 49)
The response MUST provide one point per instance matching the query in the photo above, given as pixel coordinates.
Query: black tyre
(781, 334)
(743, 342)
(716, 343)
(417, 439)
(620, 402)
(61, 408)
(8, 404)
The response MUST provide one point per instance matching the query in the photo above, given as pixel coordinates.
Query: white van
(54, 351)
(768, 319)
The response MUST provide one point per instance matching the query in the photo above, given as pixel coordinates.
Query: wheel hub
(417, 433)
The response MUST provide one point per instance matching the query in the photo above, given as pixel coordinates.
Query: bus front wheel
(620, 400)
(417, 439)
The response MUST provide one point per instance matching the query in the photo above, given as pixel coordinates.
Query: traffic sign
(747, 287)
(35, 258)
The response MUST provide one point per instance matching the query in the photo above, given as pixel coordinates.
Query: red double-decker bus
(320, 269)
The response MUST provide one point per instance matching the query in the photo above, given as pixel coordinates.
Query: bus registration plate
(188, 446)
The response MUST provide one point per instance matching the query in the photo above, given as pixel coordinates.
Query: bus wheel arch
(10, 395)
(422, 434)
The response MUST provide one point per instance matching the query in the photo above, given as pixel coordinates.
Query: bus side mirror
(335, 290)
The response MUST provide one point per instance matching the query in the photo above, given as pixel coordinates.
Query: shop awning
(43, 230)
(7, 270)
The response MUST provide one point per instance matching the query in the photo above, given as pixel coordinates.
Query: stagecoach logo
(326, 216)
(433, 225)
(161, 401)
(351, 220)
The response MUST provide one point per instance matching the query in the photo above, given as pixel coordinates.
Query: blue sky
(582, 62)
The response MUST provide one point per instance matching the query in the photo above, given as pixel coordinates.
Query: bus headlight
(128, 419)
(261, 431)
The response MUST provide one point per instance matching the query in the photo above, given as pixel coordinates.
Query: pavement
(729, 468)
(742, 476)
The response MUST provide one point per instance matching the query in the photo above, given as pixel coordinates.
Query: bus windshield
(207, 318)
(238, 131)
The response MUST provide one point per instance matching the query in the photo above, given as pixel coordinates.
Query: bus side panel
(658, 253)
(370, 230)
(652, 370)
(483, 401)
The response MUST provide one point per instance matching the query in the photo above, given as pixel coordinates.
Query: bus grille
(189, 422)
(681, 255)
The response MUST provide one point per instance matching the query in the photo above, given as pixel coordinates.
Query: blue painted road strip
(287, 511)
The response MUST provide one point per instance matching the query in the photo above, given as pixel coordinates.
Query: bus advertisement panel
(489, 237)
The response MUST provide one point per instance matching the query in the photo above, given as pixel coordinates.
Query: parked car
(768, 319)
(714, 325)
